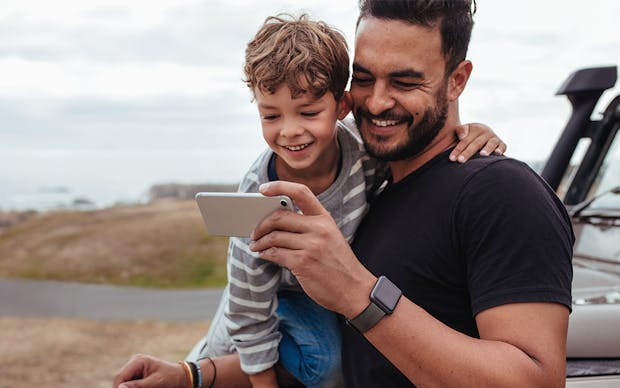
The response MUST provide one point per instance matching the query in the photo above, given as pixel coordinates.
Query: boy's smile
(297, 148)
(295, 152)
(302, 132)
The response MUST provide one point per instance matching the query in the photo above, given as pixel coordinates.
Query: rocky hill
(186, 191)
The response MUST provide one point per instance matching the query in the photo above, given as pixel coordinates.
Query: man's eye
(406, 85)
(361, 81)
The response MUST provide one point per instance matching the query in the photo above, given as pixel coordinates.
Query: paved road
(32, 298)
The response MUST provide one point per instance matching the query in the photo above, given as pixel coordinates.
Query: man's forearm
(264, 379)
(430, 353)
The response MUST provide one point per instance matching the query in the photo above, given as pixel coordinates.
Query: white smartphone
(237, 214)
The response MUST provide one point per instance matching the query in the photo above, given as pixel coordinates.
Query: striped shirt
(251, 320)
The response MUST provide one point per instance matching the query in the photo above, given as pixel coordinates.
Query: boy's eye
(270, 117)
(309, 114)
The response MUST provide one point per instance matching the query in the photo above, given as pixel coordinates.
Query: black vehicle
(589, 185)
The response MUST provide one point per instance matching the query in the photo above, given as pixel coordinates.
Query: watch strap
(367, 319)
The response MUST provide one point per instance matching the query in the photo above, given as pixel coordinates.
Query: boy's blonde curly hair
(307, 56)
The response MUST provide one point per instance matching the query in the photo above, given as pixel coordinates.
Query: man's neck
(445, 139)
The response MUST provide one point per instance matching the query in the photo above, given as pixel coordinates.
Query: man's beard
(420, 134)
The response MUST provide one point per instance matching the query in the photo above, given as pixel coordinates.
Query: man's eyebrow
(359, 68)
(405, 73)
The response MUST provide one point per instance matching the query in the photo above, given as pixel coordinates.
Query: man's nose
(379, 99)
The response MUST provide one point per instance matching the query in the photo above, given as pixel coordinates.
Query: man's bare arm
(521, 344)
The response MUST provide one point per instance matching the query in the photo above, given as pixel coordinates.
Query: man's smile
(385, 123)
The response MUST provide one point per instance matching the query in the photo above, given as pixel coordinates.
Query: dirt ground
(60, 352)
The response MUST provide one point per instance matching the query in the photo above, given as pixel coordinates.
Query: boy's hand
(473, 138)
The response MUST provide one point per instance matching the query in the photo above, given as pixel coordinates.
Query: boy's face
(301, 131)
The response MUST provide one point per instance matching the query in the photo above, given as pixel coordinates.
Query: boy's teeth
(384, 123)
(298, 147)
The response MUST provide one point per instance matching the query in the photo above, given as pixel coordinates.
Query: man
(481, 251)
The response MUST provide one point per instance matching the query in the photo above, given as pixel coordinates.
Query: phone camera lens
(283, 203)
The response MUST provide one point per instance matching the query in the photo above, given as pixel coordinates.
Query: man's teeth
(297, 147)
(384, 123)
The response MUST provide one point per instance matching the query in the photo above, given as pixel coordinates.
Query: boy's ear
(344, 105)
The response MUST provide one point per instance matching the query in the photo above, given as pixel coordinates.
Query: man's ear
(458, 80)
(344, 105)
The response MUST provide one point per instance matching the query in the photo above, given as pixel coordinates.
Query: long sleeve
(250, 316)
(251, 319)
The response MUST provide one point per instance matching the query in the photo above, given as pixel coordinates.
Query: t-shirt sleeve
(515, 236)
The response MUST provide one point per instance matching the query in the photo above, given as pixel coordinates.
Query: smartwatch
(383, 300)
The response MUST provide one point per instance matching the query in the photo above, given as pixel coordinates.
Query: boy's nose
(291, 128)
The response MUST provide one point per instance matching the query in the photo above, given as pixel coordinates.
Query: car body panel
(590, 189)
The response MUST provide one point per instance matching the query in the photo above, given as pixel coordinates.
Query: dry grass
(161, 244)
(45, 352)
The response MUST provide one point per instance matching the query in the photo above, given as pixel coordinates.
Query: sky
(108, 97)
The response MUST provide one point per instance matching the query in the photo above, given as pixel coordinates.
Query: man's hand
(143, 371)
(312, 247)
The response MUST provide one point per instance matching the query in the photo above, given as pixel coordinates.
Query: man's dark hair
(454, 18)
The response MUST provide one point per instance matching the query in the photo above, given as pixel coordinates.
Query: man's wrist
(358, 299)
(208, 372)
(382, 301)
(184, 378)
(266, 378)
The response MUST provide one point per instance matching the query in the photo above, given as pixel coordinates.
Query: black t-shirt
(458, 239)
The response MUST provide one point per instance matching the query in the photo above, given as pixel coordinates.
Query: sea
(43, 181)
(47, 181)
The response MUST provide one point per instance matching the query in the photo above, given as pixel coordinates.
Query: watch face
(385, 294)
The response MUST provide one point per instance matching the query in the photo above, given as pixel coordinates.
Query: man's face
(398, 87)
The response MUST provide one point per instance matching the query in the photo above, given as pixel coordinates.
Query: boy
(297, 70)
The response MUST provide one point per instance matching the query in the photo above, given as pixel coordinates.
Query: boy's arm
(474, 138)
(250, 318)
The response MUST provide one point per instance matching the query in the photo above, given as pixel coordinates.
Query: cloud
(129, 49)
(158, 74)
(189, 33)
(162, 123)
(66, 79)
